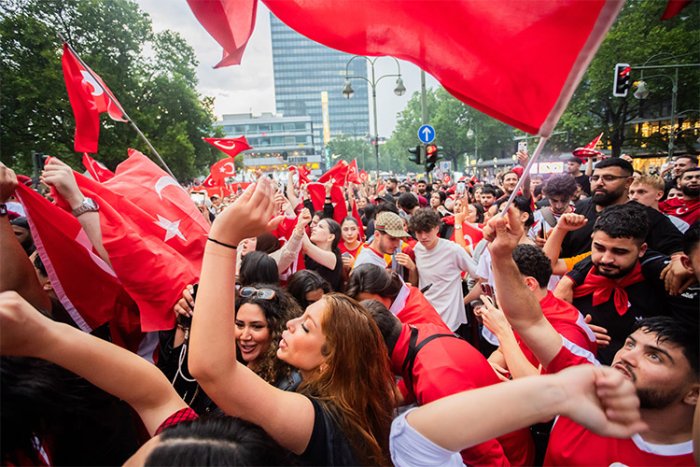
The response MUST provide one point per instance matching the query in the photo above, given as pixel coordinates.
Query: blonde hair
(653, 181)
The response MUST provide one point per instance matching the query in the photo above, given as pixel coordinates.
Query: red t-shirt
(344, 249)
(446, 366)
(572, 444)
(689, 211)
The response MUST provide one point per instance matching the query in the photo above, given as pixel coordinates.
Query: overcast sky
(249, 87)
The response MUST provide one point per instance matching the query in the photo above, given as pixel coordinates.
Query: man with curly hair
(559, 190)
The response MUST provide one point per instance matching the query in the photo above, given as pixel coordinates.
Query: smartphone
(461, 188)
(522, 146)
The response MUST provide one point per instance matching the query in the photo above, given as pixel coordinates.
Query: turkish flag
(519, 62)
(229, 23)
(231, 146)
(89, 97)
(211, 182)
(86, 286)
(95, 169)
(336, 174)
(222, 169)
(302, 173)
(363, 176)
(317, 193)
(353, 176)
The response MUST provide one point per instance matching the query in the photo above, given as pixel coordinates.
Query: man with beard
(688, 207)
(610, 182)
(622, 282)
(660, 357)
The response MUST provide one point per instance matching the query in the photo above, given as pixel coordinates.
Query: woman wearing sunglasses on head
(342, 411)
(262, 312)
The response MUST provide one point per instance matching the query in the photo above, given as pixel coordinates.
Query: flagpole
(118, 104)
(519, 185)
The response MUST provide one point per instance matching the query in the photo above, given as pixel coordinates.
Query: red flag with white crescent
(223, 169)
(96, 170)
(336, 174)
(89, 97)
(231, 146)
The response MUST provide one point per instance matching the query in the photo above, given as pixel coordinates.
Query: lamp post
(399, 90)
(642, 91)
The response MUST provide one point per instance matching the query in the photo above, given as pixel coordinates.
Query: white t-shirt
(410, 448)
(442, 267)
(367, 255)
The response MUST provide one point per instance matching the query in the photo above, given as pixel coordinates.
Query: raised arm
(552, 247)
(598, 398)
(212, 357)
(26, 332)
(323, 257)
(517, 301)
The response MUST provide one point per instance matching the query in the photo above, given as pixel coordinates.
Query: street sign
(426, 134)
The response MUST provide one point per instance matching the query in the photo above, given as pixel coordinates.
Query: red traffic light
(431, 150)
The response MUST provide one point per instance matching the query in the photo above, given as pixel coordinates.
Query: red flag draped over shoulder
(519, 62)
(231, 146)
(89, 97)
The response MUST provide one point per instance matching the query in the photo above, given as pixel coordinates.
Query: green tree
(349, 147)
(157, 89)
(637, 36)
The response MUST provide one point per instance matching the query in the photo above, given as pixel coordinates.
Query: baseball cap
(390, 224)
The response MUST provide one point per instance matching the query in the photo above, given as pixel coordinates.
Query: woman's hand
(60, 176)
(185, 306)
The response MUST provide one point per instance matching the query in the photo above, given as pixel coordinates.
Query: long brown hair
(357, 385)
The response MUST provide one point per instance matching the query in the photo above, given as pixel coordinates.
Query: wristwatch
(3, 209)
(458, 227)
(88, 205)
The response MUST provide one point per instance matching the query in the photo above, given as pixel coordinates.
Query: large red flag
(86, 286)
(353, 175)
(517, 61)
(336, 174)
(222, 169)
(302, 172)
(229, 23)
(96, 171)
(89, 97)
(231, 146)
(317, 193)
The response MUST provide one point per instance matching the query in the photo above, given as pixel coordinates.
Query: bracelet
(233, 247)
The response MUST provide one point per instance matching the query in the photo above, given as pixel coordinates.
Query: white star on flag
(172, 228)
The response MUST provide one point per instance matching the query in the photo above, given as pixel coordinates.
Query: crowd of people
(521, 320)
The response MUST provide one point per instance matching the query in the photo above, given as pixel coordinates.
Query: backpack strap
(413, 348)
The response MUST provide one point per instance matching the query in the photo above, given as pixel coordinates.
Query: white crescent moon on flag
(225, 146)
(163, 182)
(88, 78)
(228, 168)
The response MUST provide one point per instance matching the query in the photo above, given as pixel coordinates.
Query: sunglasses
(252, 292)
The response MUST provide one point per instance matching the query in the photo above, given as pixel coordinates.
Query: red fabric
(418, 310)
(447, 366)
(572, 444)
(231, 146)
(602, 287)
(302, 171)
(89, 97)
(153, 233)
(229, 23)
(534, 55)
(673, 7)
(688, 211)
(95, 170)
(353, 175)
(183, 415)
(358, 218)
(85, 285)
(472, 235)
(222, 169)
(363, 176)
(336, 174)
(344, 249)
(317, 192)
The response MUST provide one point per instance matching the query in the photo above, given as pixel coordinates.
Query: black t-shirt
(328, 444)
(646, 298)
(333, 276)
(663, 236)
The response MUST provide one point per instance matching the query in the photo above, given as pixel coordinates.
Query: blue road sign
(426, 134)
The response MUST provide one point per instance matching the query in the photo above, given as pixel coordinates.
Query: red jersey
(688, 211)
(344, 249)
(572, 444)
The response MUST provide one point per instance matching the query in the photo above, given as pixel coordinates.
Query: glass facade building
(303, 69)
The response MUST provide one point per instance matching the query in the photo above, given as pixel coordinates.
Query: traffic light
(621, 83)
(431, 157)
(415, 155)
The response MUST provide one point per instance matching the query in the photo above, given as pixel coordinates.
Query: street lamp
(348, 92)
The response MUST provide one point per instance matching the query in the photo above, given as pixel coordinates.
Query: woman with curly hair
(261, 315)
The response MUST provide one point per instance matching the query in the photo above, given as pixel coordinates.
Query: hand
(329, 186)
(22, 326)
(523, 157)
(252, 214)
(60, 176)
(602, 338)
(507, 231)
(570, 222)
(348, 261)
(676, 277)
(404, 260)
(303, 219)
(185, 306)
(502, 373)
(8, 183)
(602, 400)
(461, 213)
(493, 318)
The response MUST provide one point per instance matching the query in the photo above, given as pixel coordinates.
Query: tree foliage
(152, 75)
